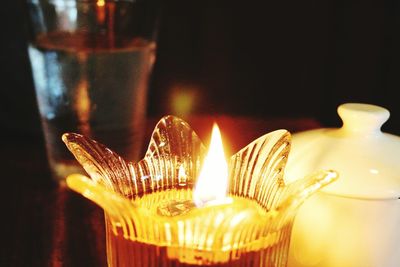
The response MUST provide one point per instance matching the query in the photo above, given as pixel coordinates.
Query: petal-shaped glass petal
(257, 170)
(103, 165)
(172, 160)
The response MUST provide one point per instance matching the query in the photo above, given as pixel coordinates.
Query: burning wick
(212, 184)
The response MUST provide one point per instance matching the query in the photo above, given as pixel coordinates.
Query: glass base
(124, 252)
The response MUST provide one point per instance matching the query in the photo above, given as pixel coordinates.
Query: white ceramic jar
(355, 221)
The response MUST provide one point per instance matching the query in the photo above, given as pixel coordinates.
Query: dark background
(257, 58)
(262, 59)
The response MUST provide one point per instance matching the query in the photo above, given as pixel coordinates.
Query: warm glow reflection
(100, 3)
(101, 12)
(212, 183)
(82, 106)
(183, 99)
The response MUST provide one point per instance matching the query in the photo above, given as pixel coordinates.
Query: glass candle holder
(151, 218)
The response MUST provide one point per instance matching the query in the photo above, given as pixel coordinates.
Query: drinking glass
(91, 63)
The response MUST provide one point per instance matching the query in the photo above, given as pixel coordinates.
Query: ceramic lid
(367, 159)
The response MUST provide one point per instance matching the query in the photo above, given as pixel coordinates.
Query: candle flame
(212, 183)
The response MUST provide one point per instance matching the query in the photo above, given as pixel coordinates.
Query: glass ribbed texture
(150, 218)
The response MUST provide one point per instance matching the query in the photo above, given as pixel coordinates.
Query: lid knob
(362, 118)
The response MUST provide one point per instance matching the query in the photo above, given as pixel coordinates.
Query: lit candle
(158, 214)
(206, 218)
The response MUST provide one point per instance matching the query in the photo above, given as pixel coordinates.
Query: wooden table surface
(45, 224)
